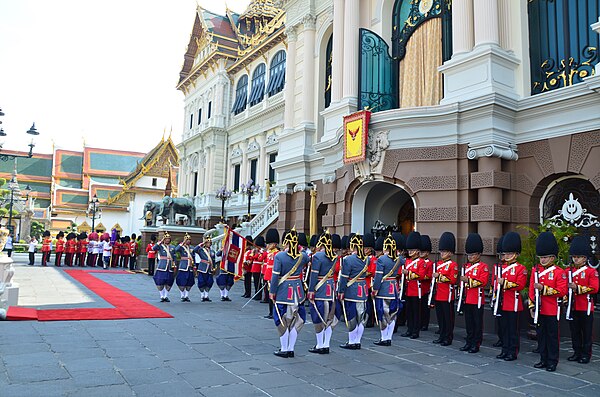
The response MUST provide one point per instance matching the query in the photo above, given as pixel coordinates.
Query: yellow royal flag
(356, 132)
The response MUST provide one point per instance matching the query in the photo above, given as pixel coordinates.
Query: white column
(201, 172)
(504, 24)
(262, 160)
(462, 26)
(486, 22)
(351, 25)
(337, 64)
(219, 103)
(244, 169)
(308, 84)
(290, 79)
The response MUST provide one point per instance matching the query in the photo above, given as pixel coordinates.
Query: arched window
(562, 46)
(277, 74)
(258, 85)
(328, 60)
(241, 95)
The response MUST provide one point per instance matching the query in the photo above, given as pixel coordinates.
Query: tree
(37, 229)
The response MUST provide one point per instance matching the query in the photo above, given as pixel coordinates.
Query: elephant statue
(172, 206)
(152, 209)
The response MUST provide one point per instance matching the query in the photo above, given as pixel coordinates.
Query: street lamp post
(31, 131)
(249, 190)
(27, 190)
(94, 211)
(223, 194)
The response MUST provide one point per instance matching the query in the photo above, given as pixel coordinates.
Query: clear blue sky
(103, 71)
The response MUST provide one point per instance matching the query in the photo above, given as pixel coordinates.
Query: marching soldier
(46, 247)
(287, 292)
(151, 254)
(206, 267)
(353, 293)
(384, 288)
(414, 272)
(185, 272)
(474, 280)
(513, 278)
(583, 283)
(425, 250)
(445, 275)
(494, 286)
(60, 248)
(272, 240)
(163, 277)
(548, 283)
(321, 292)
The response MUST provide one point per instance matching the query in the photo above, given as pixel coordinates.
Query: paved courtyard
(214, 349)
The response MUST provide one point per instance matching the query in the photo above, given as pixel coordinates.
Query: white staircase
(256, 226)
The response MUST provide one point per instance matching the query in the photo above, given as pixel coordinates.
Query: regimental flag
(356, 133)
(234, 246)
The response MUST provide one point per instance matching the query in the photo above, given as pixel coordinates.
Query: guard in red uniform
(151, 255)
(255, 269)
(125, 251)
(60, 248)
(551, 283)
(425, 249)
(272, 242)
(445, 275)
(475, 279)
(513, 278)
(247, 268)
(371, 259)
(117, 252)
(583, 284)
(70, 249)
(494, 289)
(82, 244)
(414, 272)
(46, 247)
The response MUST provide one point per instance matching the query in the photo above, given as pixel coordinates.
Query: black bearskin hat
(413, 241)
(369, 240)
(546, 244)
(511, 242)
(272, 236)
(260, 241)
(336, 241)
(302, 240)
(425, 244)
(580, 246)
(379, 243)
(447, 242)
(474, 244)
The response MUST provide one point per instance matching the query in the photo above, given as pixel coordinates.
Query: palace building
(65, 182)
(484, 115)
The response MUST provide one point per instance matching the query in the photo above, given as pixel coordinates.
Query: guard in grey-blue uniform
(385, 289)
(353, 293)
(163, 276)
(287, 292)
(321, 291)
(206, 264)
(185, 271)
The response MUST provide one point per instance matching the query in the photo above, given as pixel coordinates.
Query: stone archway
(382, 202)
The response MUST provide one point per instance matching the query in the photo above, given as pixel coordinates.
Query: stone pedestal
(9, 292)
(176, 232)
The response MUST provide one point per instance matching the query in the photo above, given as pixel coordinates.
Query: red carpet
(125, 305)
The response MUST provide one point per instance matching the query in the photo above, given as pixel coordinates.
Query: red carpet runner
(125, 305)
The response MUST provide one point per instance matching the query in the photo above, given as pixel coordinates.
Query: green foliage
(564, 233)
(37, 229)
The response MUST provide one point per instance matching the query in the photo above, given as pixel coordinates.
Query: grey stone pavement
(214, 349)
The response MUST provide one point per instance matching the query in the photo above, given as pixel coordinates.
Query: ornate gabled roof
(157, 162)
(261, 9)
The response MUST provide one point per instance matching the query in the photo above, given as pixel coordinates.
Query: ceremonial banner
(234, 246)
(356, 133)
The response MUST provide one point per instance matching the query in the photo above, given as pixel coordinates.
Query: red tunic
(133, 248)
(478, 275)
(586, 279)
(444, 285)
(515, 279)
(337, 265)
(426, 283)
(118, 248)
(71, 246)
(247, 266)
(82, 246)
(60, 245)
(554, 280)
(257, 262)
(126, 249)
(270, 260)
(417, 270)
(47, 244)
(149, 250)
(371, 270)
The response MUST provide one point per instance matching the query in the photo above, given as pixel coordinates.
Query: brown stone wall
(487, 195)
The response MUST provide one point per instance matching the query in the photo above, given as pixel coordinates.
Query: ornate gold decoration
(567, 70)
